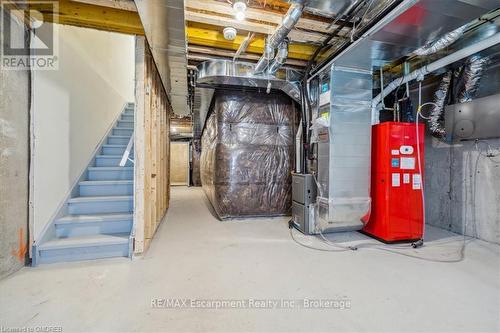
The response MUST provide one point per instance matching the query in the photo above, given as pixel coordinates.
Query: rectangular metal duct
(164, 25)
(218, 73)
(202, 101)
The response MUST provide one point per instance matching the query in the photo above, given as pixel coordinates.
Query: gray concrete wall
(458, 194)
(463, 189)
(14, 164)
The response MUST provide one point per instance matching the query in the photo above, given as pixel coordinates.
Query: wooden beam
(250, 26)
(140, 204)
(86, 15)
(201, 53)
(128, 5)
(206, 37)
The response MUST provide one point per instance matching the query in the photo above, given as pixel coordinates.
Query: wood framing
(179, 163)
(152, 149)
(108, 15)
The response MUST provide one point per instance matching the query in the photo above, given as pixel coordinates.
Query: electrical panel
(396, 182)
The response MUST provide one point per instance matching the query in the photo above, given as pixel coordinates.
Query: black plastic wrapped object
(247, 154)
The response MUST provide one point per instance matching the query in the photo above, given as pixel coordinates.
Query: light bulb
(240, 16)
(239, 6)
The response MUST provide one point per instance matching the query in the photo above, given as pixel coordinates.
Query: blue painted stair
(98, 218)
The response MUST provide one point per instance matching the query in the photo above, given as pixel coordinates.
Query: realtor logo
(20, 20)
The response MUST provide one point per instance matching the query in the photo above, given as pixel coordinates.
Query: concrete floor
(195, 256)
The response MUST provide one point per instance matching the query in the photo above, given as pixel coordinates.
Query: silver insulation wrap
(247, 154)
(437, 128)
(472, 75)
(442, 42)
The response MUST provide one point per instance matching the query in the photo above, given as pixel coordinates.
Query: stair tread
(101, 198)
(119, 136)
(109, 156)
(110, 168)
(114, 145)
(126, 121)
(68, 219)
(106, 182)
(85, 241)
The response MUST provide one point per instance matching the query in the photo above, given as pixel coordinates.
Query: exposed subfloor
(194, 256)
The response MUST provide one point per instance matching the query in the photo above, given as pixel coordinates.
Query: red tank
(396, 183)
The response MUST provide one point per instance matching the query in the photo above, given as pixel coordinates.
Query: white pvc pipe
(298, 149)
(443, 62)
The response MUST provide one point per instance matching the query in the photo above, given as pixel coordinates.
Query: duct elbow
(280, 57)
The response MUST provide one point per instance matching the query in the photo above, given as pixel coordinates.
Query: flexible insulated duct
(472, 75)
(436, 128)
(442, 42)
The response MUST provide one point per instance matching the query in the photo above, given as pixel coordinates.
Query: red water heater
(396, 183)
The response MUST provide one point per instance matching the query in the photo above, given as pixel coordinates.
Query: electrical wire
(312, 247)
(373, 246)
(354, 26)
(419, 158)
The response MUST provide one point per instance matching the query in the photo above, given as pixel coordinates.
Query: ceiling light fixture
(240, 16)
(239, 8)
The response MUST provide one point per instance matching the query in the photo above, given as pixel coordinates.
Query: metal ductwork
(281, 57)
(220, 73)
(291, 18)
(164, 27)
(266, 57)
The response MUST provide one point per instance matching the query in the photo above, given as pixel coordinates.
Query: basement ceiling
(182, 34)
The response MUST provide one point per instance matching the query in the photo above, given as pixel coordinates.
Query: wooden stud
(139, 145)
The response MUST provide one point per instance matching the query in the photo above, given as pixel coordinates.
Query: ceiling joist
(206, 37)
(203, 53)
(318, 25)
(250, 26)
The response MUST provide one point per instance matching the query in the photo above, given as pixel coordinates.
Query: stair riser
(111, 162)
(100, 207)
(83, 253)
(108, 189)
(110, 175)
(118, 141)
(93, 228)
(128, 117)
(122, 131)
(125, 124)
(114, 150)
